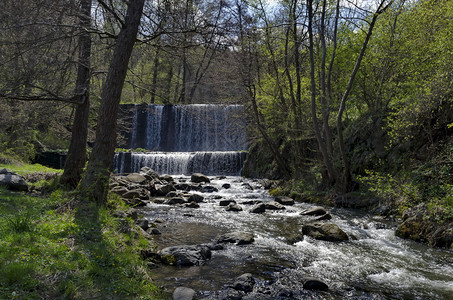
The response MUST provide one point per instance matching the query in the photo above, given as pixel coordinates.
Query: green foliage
(20, 223)
(391, 189)
(278, 191)
(131, 150)
(58, 247)
(24, 168)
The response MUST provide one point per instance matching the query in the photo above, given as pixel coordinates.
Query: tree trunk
(76, 159)
(94, 184)
(331, 173)
(347, 180)
(155, 73)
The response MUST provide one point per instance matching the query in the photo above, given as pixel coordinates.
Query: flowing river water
(374, 264)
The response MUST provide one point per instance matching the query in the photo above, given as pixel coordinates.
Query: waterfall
(183, 139)
(210, 163)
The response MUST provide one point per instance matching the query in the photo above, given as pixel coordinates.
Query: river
(374, 264)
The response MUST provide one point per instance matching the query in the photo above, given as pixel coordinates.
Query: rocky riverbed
(227, 238)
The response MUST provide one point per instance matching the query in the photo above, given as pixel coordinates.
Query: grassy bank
(54, 247)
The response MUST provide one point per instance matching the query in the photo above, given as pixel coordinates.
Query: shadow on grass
(101, 261)
(113, 268)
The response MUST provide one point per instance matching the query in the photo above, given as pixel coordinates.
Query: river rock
(135, 197)
(285, 200)
(149, 254)
(199, 178)
(12, 181)
(173, 194)
(417, 227)
(314, 211)
(154, 231)
(183, 293)
(237, 237)
(247, 186)
(226, 202)
(143, 224)
(226, 185)
(258, 209)
(196, 198)
(135, 202)
(274, 206)
(163, 190)
(149, 173)
(325, 231)
(166, 178)
(176, 200)
(132, 194)
(233, 207)
(192, 205)
(185, 255)
(324, 217)
(182, 186)
(310, 283)
(119, 190)
(244, 283)
(209, 189)
(251, 202)
(136, 178)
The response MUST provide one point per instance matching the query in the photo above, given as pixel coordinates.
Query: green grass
(58, 248)
(24, 169)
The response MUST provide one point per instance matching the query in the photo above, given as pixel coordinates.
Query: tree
(325, 140)
(38, 51)
(95, 180)
(77, 157)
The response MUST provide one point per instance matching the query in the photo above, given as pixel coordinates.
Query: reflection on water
(373, 265)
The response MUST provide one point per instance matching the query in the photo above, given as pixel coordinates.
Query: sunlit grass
(58, 248)
(24, 169)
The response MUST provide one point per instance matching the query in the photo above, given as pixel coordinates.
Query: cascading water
(374, 264)
(183, 139)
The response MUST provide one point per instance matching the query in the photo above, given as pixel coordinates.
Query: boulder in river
(314, 211)
(182, 186)
(273, 205)
(149, 173)
(176, 200)
(284, 200)
(209, 189)
(244, 283)
(237, 237)
(226, 202)
(324, 217)
(132, 194)
(185, 255)
(183, 293)
(192, 205)
(12, 181)
(119, 190)
(166, 178)
(226, 185)
(195, 198)
(162, 190)
(258, 209)
(310, 283)
(325, 231)
(136, 178)
(233, 207)
(417, 227)
(199, 178)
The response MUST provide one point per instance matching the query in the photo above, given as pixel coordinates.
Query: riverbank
(236, 241)
(216, 236)
(55, 247)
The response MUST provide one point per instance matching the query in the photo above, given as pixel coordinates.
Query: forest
(346, 101)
